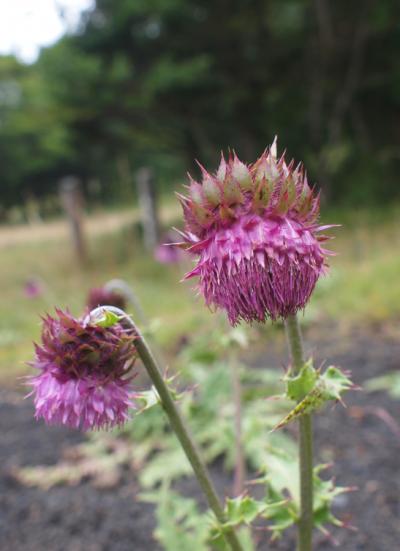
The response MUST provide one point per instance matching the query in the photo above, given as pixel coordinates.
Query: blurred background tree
(162, 82)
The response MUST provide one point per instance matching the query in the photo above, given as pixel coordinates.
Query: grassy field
(362, 287)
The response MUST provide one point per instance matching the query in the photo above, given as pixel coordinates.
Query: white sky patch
(27, 25)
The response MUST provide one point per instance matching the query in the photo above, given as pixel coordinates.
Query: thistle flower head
(33, 288)
(166, 252)
(83, 377)
(101, 296)
(254, 232)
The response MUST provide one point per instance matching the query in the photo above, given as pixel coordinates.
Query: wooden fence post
(72, 202)
(148, 207)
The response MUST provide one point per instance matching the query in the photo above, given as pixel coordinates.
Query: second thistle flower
(84, 373)
(254, 232)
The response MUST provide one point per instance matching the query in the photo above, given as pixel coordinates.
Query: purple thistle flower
(100, 296)
(167, 252)
(254, 232)
(83, 377)
(33, 288)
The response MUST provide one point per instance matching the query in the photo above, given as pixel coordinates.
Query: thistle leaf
(243, 509)
(283, 498)
(331, 385)
(299, 386)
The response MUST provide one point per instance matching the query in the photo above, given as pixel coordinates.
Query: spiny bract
(254, 230)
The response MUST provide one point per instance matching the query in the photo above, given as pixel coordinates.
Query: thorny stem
(178, 425)
(240, 466)
(306, 521)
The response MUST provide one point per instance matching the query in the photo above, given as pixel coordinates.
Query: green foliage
(180, 524)
(312, 390)
(389, 383)
(298, 386)
(33, 138)
(207, 407)
(147, 398)
(283, 499)
(209, 412)
(334, 383)
(243, 510)
(179, 518)
(168, 81)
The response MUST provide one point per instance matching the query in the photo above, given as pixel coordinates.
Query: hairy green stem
(306, 521)
(178, 426)
(240, 462)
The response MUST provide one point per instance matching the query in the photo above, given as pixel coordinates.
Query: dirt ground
(359, 440)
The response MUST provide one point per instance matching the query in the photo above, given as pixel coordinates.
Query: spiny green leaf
(180, 525)
(150, 398)
(283, 499)
(243, 510)
(389, 382)
(331, 385)
(336, 383)
(298, 386)
(219, 543)
(147, 399)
